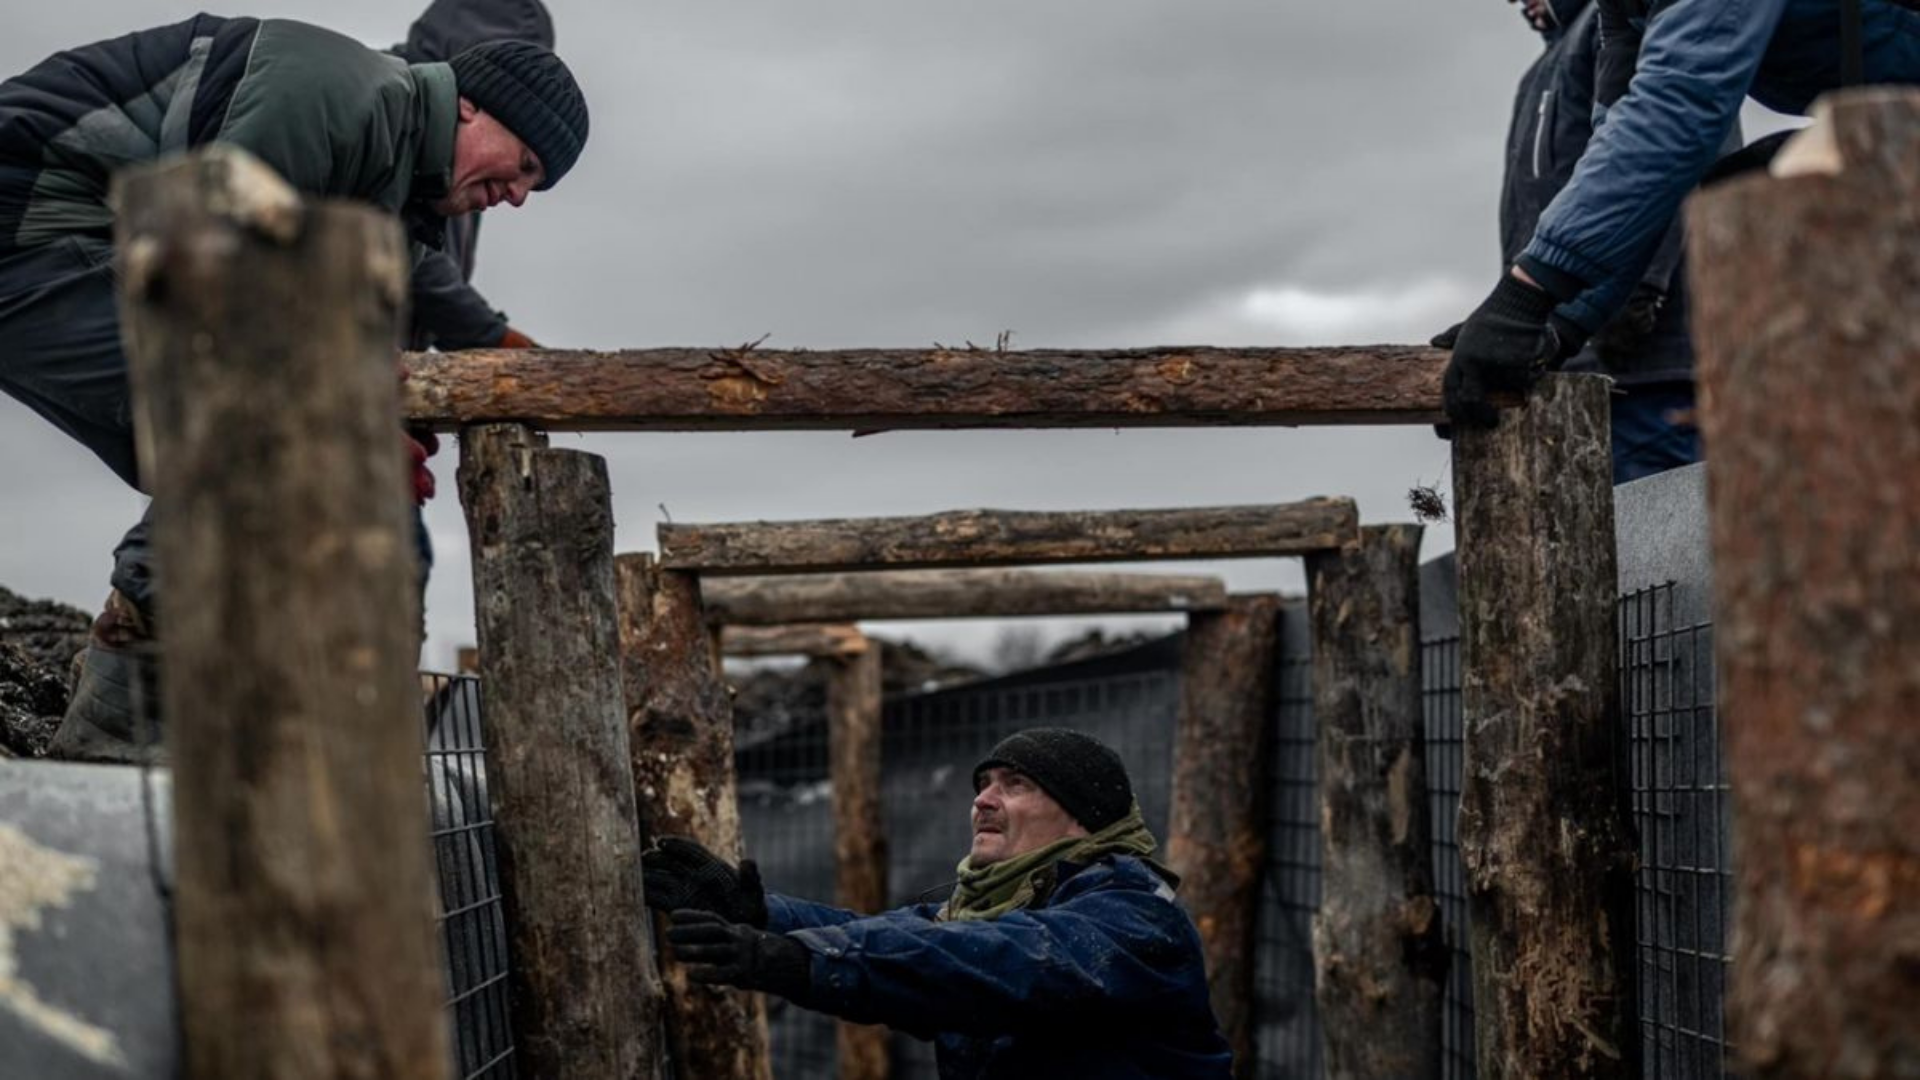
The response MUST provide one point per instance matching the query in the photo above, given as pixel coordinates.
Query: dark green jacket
(332, 116)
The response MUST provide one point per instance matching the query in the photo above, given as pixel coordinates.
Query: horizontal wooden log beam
(953, 594)
(799, 639)
(744, 389)
(979, 538)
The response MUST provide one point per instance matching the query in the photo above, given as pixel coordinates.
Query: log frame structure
(741, 603)
(1814, 509)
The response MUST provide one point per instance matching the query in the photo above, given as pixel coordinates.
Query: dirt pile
(37, 641)
(48, 632)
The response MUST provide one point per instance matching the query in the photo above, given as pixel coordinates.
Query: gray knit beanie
(530, 90)
(1082, 774)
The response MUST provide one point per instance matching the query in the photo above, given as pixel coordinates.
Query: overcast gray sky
(859, 172)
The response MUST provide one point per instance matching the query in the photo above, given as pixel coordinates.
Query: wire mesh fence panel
(1680, 793)
(472, 922)
(1286, 1017)
(1440, 706)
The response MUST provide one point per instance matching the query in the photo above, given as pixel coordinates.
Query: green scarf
(1011, 884)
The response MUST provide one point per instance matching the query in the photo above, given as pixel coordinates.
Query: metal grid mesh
(472, 923)
(1286, 1016)
(1440, 705)
(1680, 811)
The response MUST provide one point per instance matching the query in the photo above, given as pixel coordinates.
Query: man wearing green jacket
(424, 141)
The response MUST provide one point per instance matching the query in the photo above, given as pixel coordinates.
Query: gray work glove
(679, 873)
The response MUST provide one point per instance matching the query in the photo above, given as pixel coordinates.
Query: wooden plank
(1543, 829)
(680, 718)
(586, 1001)
(976, 538)
(259, 333)
(741, 389)
(1217, 828)
(952, 594)
(1810, 362)
(797, 639)
(1380, 952)
(859, 830)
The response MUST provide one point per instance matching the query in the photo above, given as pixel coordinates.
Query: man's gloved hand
(733, 954)
(514, 339)
(679, 873)
(1504, 346)
(1625, 338)
(420, 446)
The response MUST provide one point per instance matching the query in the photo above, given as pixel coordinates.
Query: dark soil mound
(48, 632)
(32, 699)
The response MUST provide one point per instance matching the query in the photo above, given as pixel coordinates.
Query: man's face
(1012, 816)
(490, 165)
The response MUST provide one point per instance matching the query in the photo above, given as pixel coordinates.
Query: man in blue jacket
(1060, 953)
(1696, 62)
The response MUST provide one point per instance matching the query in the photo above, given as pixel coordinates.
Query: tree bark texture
(800, 639)
(1810, 358)
(1543, 829)
(859, 831)
(261, 333)
(951, 594)
(743, 389)
(973, 538)
(586, 1002)
(1380, 951)
(680, 721)
(1217, 827)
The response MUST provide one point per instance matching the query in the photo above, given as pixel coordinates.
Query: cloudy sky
(857, 172)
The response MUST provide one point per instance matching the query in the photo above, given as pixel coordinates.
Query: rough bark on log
(1543, 831)
(1380, 951)
(261, 332)
(1217, 828)
(975, 538)
(586, 1002)
(1810, 359)
(951, 594)
(859, 832)
(680, 723)
(879, 389)
(800, 639)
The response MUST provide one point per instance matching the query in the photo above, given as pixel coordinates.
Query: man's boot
(115, 712)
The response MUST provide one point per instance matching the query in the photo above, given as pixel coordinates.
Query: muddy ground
(38, 639)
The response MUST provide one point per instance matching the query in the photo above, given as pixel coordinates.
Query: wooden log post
(1810, 358)
(680, 723)
(882, 389)
(975, 538)
(1380, 952)
(1217, 828)
(586, 1002)
(801, 639)
(261, 333)
(951, 594)
(1543, 829)
(859, 831)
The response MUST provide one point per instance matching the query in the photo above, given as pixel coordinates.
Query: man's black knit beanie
(530, 90)
(1086, 778)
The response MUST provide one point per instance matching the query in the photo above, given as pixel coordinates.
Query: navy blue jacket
(1102, 980)
(1698, 61)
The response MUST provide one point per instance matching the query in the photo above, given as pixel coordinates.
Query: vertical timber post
(1543, 829)
(859, 833)
(680, 724)
(1810, 360)
(1217, 830)
(262, 334)
(585, 1000)
(1380, 951)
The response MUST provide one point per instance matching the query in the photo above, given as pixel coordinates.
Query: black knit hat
(1086, 778)
(530, 90)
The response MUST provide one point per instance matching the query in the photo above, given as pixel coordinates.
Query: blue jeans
(1653, 430)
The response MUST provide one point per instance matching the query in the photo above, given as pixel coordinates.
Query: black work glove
(733, 954)
(679, 873)
(1625, 337)
(1504, 346)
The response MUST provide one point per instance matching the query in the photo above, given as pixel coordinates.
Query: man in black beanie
(1060, 953)
(331, 116)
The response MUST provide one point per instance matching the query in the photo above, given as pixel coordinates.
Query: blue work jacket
(1699, 60)
(1102, 980)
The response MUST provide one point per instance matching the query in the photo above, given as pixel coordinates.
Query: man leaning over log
(1060, 953)
(336, 119)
